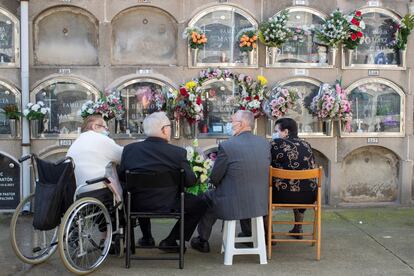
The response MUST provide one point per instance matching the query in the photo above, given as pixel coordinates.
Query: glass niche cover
(219, 105)
(302, 48)
(7, 40)
(378, 45)
(6, 98)
(308, 125)
(376, 107)
(65, 100)
(223, 29)
(141, 98)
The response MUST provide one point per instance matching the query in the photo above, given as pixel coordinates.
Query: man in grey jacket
(241, 175)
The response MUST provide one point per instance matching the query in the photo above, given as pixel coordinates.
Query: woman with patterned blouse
(291, 153)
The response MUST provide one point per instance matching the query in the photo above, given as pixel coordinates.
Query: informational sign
(9, 183)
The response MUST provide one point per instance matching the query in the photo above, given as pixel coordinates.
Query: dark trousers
(194, 209)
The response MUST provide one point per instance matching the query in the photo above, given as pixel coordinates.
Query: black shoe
(170, 246)
(146, 242)
(296, 231)
(200, 245)
(242, 235)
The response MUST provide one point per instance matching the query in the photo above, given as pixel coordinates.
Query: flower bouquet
(332, 103)
(247, 41)
(251, 94)
(196, 38)
(189, 103)
(404, 29)
(108, 106)
(300, 33)
(334, 30)
(201, 167)
(35, 111)
(274, 32)
(11, 111)
(281, 99)
(354, 29)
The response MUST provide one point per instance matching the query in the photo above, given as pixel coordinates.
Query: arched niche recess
(322, 161)
(377, 108)
(302, 49)
(65, 97)
(308, 125)
(144, 35)
(8, 95)
(10, 185)
(9, 39)
(223, 25)
(66, 35)
(141, 97)
(372, 175)
(54, 154)
(377, 49)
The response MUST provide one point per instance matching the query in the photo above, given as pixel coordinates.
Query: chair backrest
(136, 179)
(296, 174)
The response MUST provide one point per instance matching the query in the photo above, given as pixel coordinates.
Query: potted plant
(274, 33)
(35, 113)
(11, 111)
(248, 44)
(196, 40)
(333, 32)
(401, 36)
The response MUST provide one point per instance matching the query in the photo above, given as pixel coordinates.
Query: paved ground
(369, 241)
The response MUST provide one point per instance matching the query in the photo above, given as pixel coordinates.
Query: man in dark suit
(241, 175)
(155, 154)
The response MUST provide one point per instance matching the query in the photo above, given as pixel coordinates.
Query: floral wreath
(189, 102)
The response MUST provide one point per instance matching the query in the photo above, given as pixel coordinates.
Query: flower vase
(274, 53)
(189, 129)
(401, 57)
(14, 126)
(332, 56)
(175, 128)
(35, 128)
(349, 57)
(194, 56)
(251, 57)
(111, 126)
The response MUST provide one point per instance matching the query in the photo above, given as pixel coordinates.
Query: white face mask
(105, 133)
(275, 135)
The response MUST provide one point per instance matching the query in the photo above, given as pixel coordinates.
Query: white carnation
(203, 178)
(35, 107)
(190, 153)
(25, 112)
(43, 111)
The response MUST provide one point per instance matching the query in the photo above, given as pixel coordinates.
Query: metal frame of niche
(71, 79)
(20, 182)
(18, 97)
(222, 136)
(393, 86)
(270, 122)
(312, 11)
(226, 7)
(70, 8)
(171, 87)
(395, 17)
(16, 37)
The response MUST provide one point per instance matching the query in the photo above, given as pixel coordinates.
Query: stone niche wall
(322, 161)
(371, 175)
(66, 36)
(144, 35)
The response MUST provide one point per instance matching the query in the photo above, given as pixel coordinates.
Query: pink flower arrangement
(109, 106)
(332, 103)
(280, 101)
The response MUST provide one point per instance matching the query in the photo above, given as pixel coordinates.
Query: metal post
(24, 41)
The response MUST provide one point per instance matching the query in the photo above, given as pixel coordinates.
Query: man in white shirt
(92, 151)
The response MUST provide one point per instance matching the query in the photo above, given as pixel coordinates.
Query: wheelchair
(55, 217)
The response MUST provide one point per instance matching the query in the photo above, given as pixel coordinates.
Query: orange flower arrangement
(196, 38)
(248, 41)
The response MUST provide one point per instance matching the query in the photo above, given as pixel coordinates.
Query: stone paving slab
(362, 241)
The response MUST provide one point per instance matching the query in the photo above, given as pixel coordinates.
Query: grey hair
(247, 117)
(154, 122)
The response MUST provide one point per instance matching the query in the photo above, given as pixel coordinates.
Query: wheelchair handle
(60, 161)
(24, 158)
(97, 180)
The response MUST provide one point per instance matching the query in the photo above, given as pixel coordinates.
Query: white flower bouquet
(35, 111)
(274, 32)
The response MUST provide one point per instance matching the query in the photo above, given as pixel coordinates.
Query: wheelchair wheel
(85, 235)
(30, 245)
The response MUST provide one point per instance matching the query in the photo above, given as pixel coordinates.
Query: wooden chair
(316, 206)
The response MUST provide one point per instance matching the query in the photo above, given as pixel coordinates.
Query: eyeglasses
(105, 127)
(166, 126)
